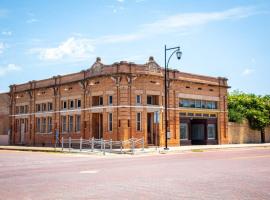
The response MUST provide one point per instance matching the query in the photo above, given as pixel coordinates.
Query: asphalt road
(227, 174)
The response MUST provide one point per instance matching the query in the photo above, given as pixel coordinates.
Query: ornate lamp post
(176, 50)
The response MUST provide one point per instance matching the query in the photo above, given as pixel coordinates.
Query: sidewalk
(139, 151)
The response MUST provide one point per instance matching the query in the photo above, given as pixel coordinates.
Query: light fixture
(178, 54)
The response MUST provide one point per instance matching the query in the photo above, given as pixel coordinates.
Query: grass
(197, 150)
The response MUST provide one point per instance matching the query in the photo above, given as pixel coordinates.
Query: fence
(126, 146)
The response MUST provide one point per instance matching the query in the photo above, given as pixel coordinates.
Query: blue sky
(40, 39)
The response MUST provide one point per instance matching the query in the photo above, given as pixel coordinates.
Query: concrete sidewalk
(139, 151)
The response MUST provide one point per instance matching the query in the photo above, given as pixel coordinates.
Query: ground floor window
(183, 131)
(78, 123)
(70, 125)
(43, 125)
(139, 121)
(37, 125)
(64, 124)
(211, 131)
(110, 122)
(49, 130)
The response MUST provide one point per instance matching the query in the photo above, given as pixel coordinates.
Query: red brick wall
(123, 81)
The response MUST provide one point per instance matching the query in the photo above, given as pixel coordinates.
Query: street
(217, 174)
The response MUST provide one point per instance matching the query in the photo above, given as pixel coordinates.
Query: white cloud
(189, 20)
(9, 68)
(181, 23)
(2, 47)
(30, 21)
(78, 48)
(7, 33)
(83, 47)
(247, 71)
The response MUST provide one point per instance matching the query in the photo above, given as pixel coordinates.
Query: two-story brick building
(120, 101)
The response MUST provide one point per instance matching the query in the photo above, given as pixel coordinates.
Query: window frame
(138, 97)
(77, 124)
(187, 129)
(110, 121)
(214, 129)
(110, 100)
(139, 121)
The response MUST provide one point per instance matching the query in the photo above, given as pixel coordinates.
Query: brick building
(120, 101)
(4, 113)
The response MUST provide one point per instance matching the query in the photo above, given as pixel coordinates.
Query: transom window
(191, 103)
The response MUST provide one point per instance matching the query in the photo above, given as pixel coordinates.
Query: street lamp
(166, 85)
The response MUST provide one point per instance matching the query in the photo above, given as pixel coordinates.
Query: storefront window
(183, 131)
(211, 131)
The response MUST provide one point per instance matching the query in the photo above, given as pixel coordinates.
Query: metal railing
(92, 144)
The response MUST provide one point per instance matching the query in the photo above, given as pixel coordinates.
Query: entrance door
(150, 132)
(22, 133)
(97, 125)
(198, 132)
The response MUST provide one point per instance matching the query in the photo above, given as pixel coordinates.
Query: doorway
(97, 125)
(151, 136)
(198, 131)
(22, 132)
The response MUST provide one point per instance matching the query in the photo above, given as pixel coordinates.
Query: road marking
(248, 157)
(89, 172)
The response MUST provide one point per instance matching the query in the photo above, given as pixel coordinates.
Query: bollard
(101, 144)
(121, 146)
(110, 145)
(69, 143)
(104, 148)
(133, 146)
(62, 143)
(81, 144)
(92, 144)
(143, 144)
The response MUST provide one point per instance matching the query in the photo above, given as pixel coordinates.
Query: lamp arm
(167, 64)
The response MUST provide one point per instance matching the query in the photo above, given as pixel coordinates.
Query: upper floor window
(64, 104)
(110, 99)
(97, 100)
(152, 99)
(78, 103)
(43, 106)
(38, 107)
(50, 106)
(138, 99)
(191, 103)
(71, 104)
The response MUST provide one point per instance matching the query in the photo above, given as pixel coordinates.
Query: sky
(41, 39)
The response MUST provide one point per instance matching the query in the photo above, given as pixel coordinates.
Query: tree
(254, 108)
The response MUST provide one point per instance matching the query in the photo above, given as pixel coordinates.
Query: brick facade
(4, 113)
(119, 101)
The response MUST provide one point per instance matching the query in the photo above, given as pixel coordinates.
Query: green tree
(254, 108)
